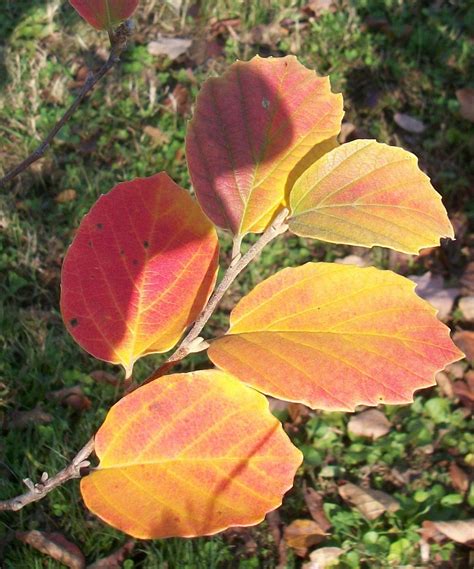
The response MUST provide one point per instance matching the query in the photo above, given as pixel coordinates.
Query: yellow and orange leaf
(367, 193)
(335, 336)
(189, 455)
(140, 269)
(251, 129)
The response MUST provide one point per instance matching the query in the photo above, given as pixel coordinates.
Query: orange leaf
(104, 14)
(335, 336)
(367, 193)
(189, 455)
(140, 269)
(250, 130)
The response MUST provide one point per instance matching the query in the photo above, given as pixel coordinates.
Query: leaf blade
(104, 14)
(320, 333)
(138, 271)
(250, 129)
(205, 452)
(366, 193)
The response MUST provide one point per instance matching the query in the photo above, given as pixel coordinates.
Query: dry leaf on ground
(466, 103)
(21, 419)
(460, 531)
(408, 123)
(371, 423)
(464, 340)
(467, 279)
(56, 546)
(102, 376)
(171, 47)
(445, 384)
(459, 479)
(115, 559)
(301, 534)
(354, 260)
(314, 502)
(431, 288)
(466, 306)
(66, 196)
(465, 390)
(72, 397)
(370, 503)
(347, 129)
(318, 7)
(156, 134)
(323, 558)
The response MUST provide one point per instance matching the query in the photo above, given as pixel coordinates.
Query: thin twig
(38, 491)
(119, 40)
(189, 344)
(237, 265)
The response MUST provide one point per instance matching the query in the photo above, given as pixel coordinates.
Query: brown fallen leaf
(301, 534)
(409, 123)
(224, 27)
(156, 134)
(459, 479)
(72, 397)
(445, 384)
(105, 377)
(347, 129)
(431, 288)
(460, 531)
(354, 260)
(456, 370)
(466, 102)
(467, 279)
(264, 34)
(370, 503)
(464, 340)
(371, 423)
(314, 502)
(169, 46)
(465, 390)
(298, 413)
(323, 558)
(21, 419)
(56, 546)
(318, 7)
(66, 196)
(179, 100)
(115, 559)
(466, 306)
(274, 524)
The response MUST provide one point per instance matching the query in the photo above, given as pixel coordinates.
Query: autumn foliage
(192, 454)
(104, 14)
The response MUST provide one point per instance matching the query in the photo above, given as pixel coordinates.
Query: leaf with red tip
(104, 14)
(140, 269)
(335, 336)
(366, 193)
(189, 455)
(251, 129)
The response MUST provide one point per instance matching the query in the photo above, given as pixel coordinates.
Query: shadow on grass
(25, 20)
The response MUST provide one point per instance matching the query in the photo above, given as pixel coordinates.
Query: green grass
(414, 66)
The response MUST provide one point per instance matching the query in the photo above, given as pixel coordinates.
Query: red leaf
(253, 130)
(104, 14)
(140, 269)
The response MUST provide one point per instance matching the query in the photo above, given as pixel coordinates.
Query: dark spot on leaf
(89, 243)
(122, 252)
(73, 322)
(135, 262)
(146, 244)
(99, 226)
